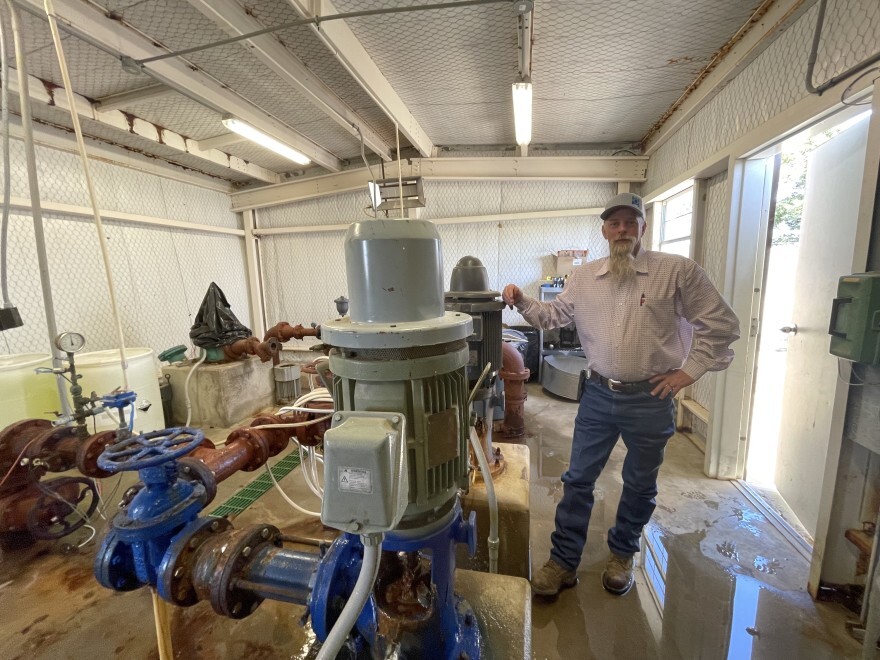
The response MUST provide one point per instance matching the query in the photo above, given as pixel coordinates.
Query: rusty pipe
(283, 331)
(514, 374)
(252, 346)
(45, 447)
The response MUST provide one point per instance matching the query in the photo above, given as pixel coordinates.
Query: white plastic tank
(102, 373)
(23, 393)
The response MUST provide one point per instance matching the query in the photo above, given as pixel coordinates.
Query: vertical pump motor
(397, 453)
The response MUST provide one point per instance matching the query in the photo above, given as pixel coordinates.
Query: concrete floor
(734, 588)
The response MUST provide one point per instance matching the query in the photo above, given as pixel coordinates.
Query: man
(650, 324)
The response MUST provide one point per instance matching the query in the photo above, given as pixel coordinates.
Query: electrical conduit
(36, 208)
(102, 238)
(358, 598)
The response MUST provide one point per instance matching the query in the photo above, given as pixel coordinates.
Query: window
(676, 215)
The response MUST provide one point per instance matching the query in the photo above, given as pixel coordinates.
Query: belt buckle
(614, 384)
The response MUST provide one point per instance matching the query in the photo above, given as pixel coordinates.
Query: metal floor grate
(256, 489)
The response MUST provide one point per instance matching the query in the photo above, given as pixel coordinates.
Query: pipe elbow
(512, 365)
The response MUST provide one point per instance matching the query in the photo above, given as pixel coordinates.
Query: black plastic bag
(215, 324)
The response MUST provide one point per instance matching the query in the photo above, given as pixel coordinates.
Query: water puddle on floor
(715, 610)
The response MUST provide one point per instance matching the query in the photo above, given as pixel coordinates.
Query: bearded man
(650, 324)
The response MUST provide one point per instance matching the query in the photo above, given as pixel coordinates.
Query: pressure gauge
(70, 342)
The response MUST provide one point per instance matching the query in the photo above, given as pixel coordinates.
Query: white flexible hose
(286, 498)
(356, 601)
(7, 176)
(292, 425)
(490, 495)
(189, 410)
(93, 198)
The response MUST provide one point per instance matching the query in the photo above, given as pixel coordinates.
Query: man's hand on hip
(511, 295)
(670, 383)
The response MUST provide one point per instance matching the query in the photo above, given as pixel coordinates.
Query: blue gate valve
(140, 534)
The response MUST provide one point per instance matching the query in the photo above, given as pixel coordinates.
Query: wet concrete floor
(722, 583)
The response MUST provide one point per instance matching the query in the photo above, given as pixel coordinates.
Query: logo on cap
(636, 201)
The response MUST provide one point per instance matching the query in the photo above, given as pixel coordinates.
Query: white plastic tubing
(362, 589)
(192, 370)
(490, 495)
(93, 199)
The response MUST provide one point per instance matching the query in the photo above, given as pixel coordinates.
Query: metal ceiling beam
(41, 92)
(596, 168)
(93, 25)
(135, 96)
(233, 19)
(343, 44)
(735, 56)
(219, 141)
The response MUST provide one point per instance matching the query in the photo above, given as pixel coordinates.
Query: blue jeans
(646, 423)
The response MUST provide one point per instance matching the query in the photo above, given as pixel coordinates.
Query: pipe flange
(192, 469)
(29, 427)
(88, 452)
(226, 597)
(175, 582)
(45, 447)
(260, 451)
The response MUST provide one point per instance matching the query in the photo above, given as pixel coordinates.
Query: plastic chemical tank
(23, 393)
(102, 373)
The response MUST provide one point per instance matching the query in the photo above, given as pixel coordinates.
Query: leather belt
(619, 386)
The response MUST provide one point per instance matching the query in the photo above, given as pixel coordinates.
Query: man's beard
(621, 262)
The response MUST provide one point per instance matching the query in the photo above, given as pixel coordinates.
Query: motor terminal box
(855, 318)
(366, 479)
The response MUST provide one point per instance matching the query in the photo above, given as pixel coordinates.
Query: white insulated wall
(769, 85)
(161, 274)
(766, 88)
(304, 272)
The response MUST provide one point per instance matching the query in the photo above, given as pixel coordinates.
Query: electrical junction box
(855, 318)
(366, 480)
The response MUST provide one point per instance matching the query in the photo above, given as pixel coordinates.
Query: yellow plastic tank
(23, 393)
(102, 373)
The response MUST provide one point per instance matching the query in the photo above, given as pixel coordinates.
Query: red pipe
(514, 374)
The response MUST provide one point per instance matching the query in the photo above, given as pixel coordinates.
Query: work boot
(618, 575)
(552, 578)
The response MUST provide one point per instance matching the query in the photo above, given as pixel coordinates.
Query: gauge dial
(70, 342)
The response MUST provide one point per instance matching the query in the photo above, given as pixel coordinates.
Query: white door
(828, 231)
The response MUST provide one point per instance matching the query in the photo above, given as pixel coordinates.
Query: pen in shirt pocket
(642, 300)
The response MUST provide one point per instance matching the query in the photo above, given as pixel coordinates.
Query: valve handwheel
(150, 449)
(57, 512)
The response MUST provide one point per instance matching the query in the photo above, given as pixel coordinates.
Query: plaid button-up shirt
(668, 316)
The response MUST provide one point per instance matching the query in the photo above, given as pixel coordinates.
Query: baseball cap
(624, 200)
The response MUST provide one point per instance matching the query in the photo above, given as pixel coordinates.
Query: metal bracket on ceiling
(524, 41)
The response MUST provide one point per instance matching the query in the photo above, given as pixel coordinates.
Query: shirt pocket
(658, 316)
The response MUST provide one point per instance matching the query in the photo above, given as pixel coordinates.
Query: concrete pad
(512, 493)
(221, 394)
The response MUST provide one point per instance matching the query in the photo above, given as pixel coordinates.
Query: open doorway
(810, 237)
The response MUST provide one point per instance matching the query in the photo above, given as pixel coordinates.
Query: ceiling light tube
(522, 112)
(247, 131)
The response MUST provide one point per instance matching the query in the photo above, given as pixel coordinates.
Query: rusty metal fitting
(283, 331)
(266, 350)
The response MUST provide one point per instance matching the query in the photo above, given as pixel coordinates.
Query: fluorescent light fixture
(247, 131)
(522, 112)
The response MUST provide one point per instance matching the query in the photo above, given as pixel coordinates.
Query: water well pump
(395, 459)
